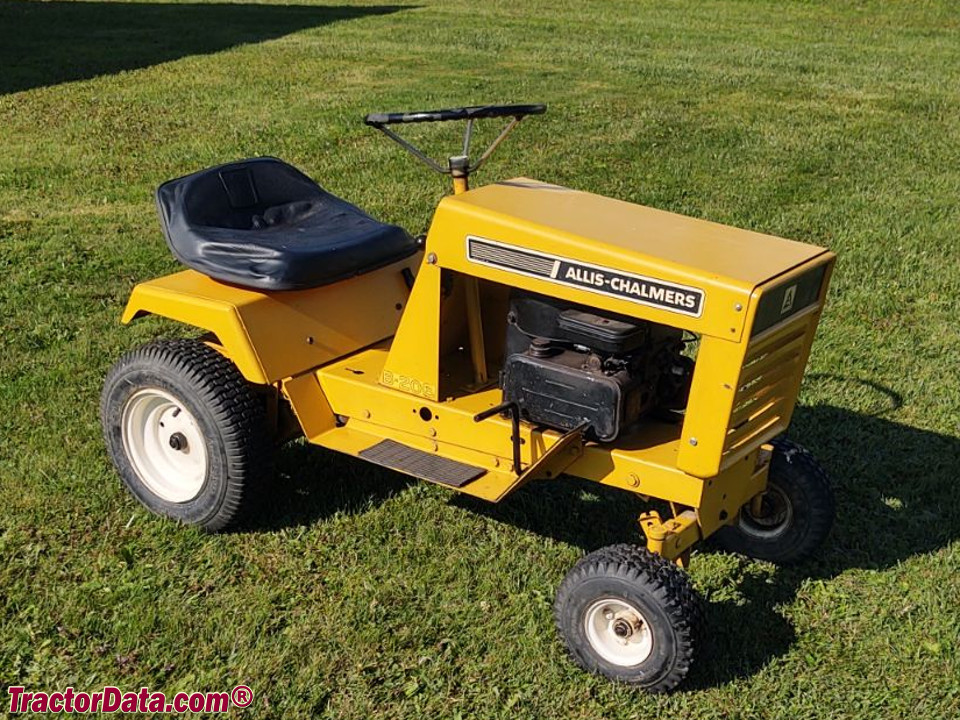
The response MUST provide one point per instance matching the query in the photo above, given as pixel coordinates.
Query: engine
(567, 365)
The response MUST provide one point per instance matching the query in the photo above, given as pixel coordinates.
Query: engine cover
(567, 388)
(537, 316)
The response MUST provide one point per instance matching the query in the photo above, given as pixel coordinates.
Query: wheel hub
(618, 632)
(774, 516)
(164, 444)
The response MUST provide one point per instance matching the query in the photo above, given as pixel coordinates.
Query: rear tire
(630, 616)
(186, 432)
(797, 510)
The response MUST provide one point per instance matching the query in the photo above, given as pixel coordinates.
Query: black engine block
(567, 365)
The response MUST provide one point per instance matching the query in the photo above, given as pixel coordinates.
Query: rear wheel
(795, 514)
(186, 432)
(630, 616)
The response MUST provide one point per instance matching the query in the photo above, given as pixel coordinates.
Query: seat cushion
(263, 224)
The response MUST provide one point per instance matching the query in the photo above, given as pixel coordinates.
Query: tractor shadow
(46, 43)
(313, 483)
(897, 497)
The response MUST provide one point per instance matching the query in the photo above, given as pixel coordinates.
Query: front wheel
(630, 616)
(187, 434)
(795, 513)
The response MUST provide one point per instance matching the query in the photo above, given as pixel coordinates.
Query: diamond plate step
(396, 456)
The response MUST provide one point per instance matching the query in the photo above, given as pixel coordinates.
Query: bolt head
(693, 441)
(431, 258)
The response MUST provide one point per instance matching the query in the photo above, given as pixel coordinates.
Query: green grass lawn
(362, 594)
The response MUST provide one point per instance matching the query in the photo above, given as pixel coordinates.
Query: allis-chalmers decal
(595, 278)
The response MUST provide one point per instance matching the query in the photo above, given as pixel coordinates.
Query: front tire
(187, 434)
(796, 514)
(630, 616)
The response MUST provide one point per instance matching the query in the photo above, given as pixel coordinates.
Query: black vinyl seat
(263, 224)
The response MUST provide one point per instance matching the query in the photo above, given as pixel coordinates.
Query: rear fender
(279, 335)
(167, 297)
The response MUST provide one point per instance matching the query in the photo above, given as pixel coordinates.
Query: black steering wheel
(458, 165)
(477, 112)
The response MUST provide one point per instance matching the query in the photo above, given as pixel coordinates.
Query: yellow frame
(368, 359)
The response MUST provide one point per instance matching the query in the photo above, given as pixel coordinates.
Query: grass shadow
(897, 497)
(313, 483)
(46, 43)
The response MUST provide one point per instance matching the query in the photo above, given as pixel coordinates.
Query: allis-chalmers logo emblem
(788, 297)
(595, 278)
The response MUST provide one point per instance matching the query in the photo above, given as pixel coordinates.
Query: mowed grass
(362, 594)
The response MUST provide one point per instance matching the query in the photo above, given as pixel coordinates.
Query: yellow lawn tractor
(535, 331)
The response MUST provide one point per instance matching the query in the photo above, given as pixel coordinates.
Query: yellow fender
(274, 336)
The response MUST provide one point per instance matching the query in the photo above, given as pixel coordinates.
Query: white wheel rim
(771, 526)
(618, 632)
(164, 445)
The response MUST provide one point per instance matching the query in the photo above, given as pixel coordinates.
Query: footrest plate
(418, 463)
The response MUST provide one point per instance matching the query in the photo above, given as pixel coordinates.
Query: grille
(510, 258)
(767, 388)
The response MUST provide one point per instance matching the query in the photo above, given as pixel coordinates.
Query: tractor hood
(599, 251)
